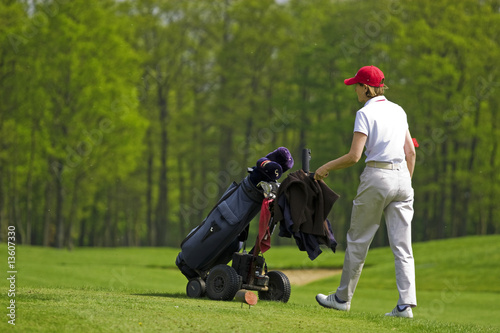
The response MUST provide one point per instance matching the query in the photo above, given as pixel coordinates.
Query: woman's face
(361, 92)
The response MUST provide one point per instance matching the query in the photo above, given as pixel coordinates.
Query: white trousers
(389, 192)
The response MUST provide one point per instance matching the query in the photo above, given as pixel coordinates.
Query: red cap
(369, 75)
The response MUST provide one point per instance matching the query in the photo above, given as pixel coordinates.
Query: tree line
(122, 122)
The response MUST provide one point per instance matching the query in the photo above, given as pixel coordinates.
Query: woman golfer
(385, 187)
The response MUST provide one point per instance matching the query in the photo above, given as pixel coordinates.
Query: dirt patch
(300, 277)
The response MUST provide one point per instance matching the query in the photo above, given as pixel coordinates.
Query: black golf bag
(216, 239)
(207, 249)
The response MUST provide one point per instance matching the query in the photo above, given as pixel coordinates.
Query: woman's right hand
(321, 173)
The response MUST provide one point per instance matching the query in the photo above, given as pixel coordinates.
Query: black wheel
(222, 283)
(279, 288)
(195, 288)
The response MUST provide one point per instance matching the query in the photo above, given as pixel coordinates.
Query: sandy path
(300, 277)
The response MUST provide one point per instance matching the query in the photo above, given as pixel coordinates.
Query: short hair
(375, 91)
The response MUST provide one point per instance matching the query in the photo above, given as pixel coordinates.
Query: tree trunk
(182, 198)
(269, 98)
(249, 128)
(47, 215)
(198, 167)
(246, 149)
(492, 205)
(420, 228)
(83, 232)
(2, 206)
(151, 233)
(14, 204)
(94, 230)
(468, 182)
(29, 187)
(108, 222)
(112, 202)
(441, 222)
(72, 216)
(161, 208)
(304, 116)
(454, 213)
(59, 206)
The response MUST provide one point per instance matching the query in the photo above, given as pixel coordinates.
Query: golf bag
(215, 240)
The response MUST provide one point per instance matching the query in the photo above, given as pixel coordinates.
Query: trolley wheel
(279, 288)
(196, 288)
(222, 283)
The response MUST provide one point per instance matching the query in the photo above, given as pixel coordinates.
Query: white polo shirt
(385, 125)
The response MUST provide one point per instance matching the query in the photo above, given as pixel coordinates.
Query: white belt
(384, 165)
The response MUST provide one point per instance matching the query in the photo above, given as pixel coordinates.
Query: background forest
(122, 121)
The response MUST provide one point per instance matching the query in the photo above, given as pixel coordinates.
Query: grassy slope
(131, 289)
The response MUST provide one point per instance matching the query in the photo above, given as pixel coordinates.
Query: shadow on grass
(174, 295)
(170, 295)
(164, 267)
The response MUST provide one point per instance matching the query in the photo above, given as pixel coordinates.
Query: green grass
(140, 289)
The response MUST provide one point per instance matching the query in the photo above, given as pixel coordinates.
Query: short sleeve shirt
(385, 125)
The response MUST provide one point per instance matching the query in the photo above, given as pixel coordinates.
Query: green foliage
(122, 122)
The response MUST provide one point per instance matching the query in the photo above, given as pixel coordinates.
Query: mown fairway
(140, 290)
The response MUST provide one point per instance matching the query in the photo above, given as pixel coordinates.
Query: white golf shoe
(332, 302)
(406, 313)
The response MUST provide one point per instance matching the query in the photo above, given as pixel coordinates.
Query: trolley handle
(306, 157)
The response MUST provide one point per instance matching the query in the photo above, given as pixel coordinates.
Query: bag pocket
(227, 214)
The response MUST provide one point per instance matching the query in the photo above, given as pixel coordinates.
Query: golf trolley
(208, 248)
(248, 271)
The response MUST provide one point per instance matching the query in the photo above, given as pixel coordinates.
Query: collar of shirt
(376, 99)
